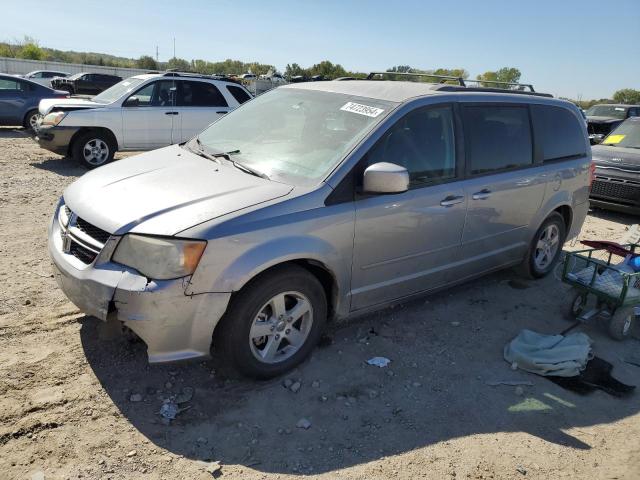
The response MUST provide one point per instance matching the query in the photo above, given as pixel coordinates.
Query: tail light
(592, 173)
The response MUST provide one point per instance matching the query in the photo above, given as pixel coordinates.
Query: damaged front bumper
(174, 326)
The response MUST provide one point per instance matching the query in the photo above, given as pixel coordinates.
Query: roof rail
(520, 86)
(173, 73)
(456, 88)
(462, 82)
(443, 78)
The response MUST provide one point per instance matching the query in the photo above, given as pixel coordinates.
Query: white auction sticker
(362, 109)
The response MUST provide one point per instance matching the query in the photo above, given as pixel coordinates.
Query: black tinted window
(199, 94)
(6, 84)
(239, 94)
(423, 142)
(497, 137)
(558, 132)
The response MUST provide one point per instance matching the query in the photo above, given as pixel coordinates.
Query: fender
(247, 265)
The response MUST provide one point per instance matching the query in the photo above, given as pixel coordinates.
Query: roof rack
(443, 78)
(462, 83)
(456, 88)
(173, 73)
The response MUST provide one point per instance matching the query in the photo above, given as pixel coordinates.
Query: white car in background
(44, 77)
(143, 112)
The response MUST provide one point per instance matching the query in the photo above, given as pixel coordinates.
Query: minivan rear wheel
(273, 323)
(546, 248)
(93, 149)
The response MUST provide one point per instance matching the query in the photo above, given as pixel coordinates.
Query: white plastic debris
(303, 423)
(379, 362)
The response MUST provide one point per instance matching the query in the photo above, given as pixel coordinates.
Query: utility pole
(156, 54)
(174, 47)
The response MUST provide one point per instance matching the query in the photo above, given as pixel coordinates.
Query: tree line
(28, 48)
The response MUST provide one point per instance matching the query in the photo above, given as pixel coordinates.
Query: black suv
(617, 182)
(602, 119)
(85, 83)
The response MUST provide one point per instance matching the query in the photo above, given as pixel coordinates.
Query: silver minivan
(319, 201)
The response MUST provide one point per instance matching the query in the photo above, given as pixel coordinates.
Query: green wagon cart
(604, 286)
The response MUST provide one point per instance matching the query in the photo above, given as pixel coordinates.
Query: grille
(618, 190)
(93, 231)
(599, 128)
(83, 254)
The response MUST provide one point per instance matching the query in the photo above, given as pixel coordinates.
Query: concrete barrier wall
(19, 66)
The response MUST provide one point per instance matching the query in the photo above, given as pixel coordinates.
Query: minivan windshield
(626, 135)
(294, 135)
(113, 93)
(612, 111)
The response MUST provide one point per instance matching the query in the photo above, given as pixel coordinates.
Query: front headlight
(53, 118)
(159, 258)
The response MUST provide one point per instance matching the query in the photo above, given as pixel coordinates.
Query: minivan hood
(49, 104)
(620, 158)
(164, 192)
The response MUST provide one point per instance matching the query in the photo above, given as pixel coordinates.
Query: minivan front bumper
(173, 325)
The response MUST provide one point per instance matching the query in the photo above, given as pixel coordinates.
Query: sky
(571, 48)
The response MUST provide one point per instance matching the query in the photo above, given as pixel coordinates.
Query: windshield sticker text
(361, 109)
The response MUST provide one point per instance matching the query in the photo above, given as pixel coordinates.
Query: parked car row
(143, 112)
(19, 100)
(311, 202)
(85, 83)
(604, 118)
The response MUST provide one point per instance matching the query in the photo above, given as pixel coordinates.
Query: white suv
(143, 112)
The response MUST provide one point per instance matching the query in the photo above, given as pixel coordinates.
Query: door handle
(171, 113)
(221, 112)
(482, 194)
(452, 200)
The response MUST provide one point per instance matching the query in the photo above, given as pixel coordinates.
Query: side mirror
(132, 102)
(385, 177)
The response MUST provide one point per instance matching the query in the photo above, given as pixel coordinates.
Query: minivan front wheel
(274, 323)
(546, 247)
(93, 149)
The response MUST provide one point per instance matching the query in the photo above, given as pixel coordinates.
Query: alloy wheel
(547, 246)
(95, 151)
(281, 327)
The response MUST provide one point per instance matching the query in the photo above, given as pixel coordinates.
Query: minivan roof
(400, 91)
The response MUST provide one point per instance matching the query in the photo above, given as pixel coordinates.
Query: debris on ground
(379, 362)
(521, 470)
(185, 395)
(135, 397)
(170, 409)
(295, 387)
(131, 453)
(303, 423)
(214, 468)
(509, 383)
(287, 383)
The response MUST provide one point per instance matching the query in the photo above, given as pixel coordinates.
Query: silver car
(320, 201)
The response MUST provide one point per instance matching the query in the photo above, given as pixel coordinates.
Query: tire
(30, 119)
(622, 323)
(578, 304)
(532, 266)
(93, 149)
(255, 341)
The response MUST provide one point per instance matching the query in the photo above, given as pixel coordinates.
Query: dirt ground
(75, 406)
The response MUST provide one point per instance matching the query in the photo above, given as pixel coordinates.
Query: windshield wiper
(246, 168)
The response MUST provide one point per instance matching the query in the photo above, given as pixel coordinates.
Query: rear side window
(6, 84)
(497, 138)
(199, 94)
(238, 93)
(558, 132)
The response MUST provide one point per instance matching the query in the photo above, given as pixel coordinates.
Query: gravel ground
(75, 406)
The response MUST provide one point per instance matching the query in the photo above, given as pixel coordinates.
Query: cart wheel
(578, 304)
(621, 323)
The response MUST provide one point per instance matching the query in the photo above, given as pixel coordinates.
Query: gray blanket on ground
(562, 356)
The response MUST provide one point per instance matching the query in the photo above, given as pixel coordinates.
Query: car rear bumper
(174, 326)
(55, 139)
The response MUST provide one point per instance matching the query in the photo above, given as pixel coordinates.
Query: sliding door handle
(171, 113)
(482, 194)
(452, 200)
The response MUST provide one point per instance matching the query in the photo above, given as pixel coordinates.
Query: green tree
(628, 96)
(31, 51)
(505, 74)
(179, 64)
(293, 70)
(147, 62)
